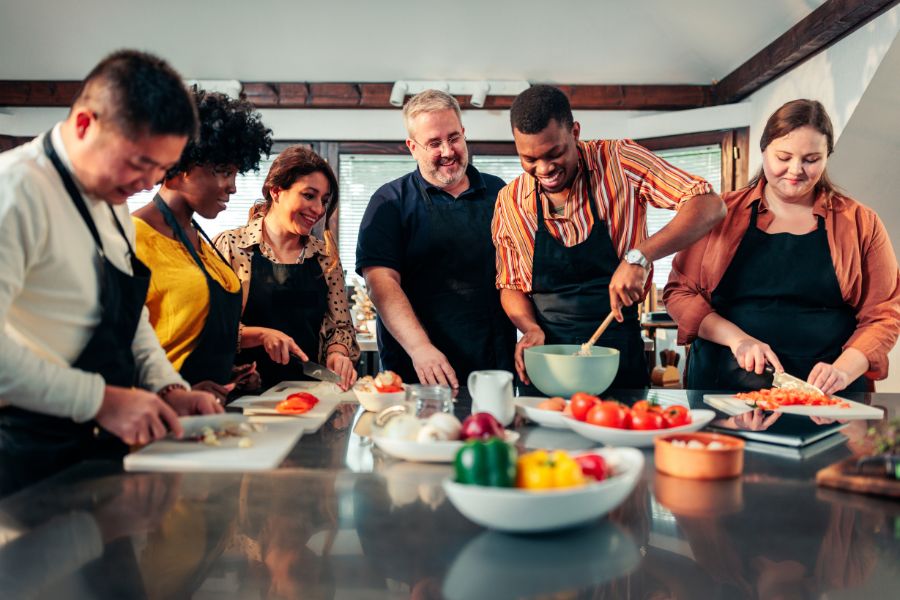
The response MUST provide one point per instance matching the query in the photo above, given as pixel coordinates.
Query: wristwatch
(636, 257)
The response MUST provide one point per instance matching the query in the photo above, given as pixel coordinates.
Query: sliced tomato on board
(297, 404)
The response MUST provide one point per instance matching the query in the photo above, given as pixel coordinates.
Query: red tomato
(593, 465)
(677, 416)
(607, 414)
(581, 403)
(389, 389)
(645, 405)
(645, 420)
(297, 404)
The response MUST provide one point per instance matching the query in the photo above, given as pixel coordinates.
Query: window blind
(703, 161)
(360, 175)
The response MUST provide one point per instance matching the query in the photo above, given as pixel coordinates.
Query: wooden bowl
(699, 463)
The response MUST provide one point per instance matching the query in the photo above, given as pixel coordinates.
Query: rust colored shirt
(864, 262)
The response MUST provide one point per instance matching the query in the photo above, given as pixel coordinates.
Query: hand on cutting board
(432, 366)
(136, 416)
(343, 366)
(828, 378)
(190, 402)
(752, 355)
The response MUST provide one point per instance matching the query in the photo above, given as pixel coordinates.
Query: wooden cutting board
(842, 475)
(268, 450)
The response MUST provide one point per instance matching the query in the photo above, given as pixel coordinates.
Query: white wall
(836, 77)
(866, 159)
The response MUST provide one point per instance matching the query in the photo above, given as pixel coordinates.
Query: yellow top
(178, 298)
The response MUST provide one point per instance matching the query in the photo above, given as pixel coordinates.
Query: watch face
(634, 257)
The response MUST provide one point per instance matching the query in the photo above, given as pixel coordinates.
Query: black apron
(292, 299)
(213, 355)
(456, 302)
(34, 445)
(570, 290)
(781, 289)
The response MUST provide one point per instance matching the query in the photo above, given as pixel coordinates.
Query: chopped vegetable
(297, 404)
(774, 398)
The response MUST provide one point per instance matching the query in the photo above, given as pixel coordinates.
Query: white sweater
(49, 289)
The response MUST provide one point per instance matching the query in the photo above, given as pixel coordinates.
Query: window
(703, 161)
(360, 175)
(249, 190)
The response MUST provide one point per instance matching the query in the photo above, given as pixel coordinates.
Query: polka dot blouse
(337, 326)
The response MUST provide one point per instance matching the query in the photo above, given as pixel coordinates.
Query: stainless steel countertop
(341, 520)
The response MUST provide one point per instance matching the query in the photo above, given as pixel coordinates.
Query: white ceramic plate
(529, 511)
(527, 406)
(728, 404)
(443, 452)
(612, 436)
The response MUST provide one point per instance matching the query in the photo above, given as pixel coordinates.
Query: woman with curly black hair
(195, 297)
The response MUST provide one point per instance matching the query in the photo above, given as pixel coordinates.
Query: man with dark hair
(571, 232)
(82, 373)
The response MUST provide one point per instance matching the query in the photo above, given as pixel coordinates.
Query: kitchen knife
(317, 371)
(789, 382)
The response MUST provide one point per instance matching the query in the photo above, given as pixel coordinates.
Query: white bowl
(378, 401)
(530, 511)
(527, 406)
(415, 451)
(612, 436)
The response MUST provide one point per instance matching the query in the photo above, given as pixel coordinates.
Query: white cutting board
(268, 450)
(329, 395)
(728, 404)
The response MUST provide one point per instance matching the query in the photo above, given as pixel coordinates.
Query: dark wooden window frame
(734, 144)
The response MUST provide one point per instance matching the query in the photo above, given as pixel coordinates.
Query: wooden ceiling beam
(824, 26)
(377, 95)
(821, 28)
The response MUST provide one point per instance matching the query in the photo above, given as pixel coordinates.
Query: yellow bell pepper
(541, 470)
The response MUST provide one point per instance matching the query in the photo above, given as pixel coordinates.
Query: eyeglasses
(435, 146)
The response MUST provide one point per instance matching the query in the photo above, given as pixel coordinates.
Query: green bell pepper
(489, 462)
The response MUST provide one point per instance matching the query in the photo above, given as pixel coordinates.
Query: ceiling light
(477, 90)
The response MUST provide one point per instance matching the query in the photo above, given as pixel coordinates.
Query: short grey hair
(429, 101)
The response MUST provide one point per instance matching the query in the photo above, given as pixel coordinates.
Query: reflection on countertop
(340, 519)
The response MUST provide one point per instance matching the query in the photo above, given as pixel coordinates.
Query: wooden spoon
(586, 347)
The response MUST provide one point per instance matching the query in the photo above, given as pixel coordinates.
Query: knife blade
(789, 382)
(317, 371)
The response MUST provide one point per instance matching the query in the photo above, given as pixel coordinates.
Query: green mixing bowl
(556, 371)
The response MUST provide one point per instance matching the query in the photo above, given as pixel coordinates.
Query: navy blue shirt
(395, 224)
(446, 261)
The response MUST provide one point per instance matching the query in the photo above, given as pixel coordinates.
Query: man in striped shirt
(571, 232)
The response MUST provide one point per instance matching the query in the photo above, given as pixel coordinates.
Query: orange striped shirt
(624, 178)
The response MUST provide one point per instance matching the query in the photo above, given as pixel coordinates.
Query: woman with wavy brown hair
(798, 275)
(294, 299)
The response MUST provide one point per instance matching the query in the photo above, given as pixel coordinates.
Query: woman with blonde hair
(294, 299)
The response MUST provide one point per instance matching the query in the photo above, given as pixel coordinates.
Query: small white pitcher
(492, 392)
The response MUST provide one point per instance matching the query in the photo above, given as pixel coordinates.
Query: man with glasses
(425, 250)
(82, 373)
